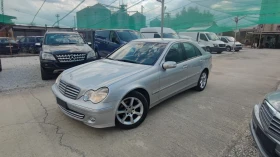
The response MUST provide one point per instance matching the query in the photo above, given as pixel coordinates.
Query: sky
(25, 10)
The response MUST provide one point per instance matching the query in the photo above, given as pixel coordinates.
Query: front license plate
(61, 103)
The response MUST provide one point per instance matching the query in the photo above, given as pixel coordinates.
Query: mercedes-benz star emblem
(72, 57)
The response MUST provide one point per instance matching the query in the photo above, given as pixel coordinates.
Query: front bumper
(217, 49)
(99, 115)
(238, 48)
(53, 67)
(268, 146)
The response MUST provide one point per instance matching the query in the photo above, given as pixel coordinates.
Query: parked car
(229, 41)
(191, 39)
(155, 32)
(8, 46)
(107, 41)
(265, 125)
(120, 89)
(63, 50)
(30, 44)
(209, 39)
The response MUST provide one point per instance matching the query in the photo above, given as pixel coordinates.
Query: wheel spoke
(131, 120)
(138, 105)
(123, 103)
(138, 113)
(121, 112)
(124, 118)
(131, 102)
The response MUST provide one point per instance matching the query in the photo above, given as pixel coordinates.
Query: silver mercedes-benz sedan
(121, 88)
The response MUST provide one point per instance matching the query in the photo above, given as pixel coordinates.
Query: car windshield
(231, 39)
(170, 35)
(63, 39)
(4, 40)
(127, 35)
(139, 52)
(212, 36)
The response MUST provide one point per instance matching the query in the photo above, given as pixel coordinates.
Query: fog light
(91, 120)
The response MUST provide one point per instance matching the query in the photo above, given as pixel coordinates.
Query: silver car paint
(123, 77)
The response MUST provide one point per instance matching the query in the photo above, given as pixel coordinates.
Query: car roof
(58, 32)
(164, 40)
(116, 30)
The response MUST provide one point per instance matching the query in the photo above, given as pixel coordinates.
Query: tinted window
(4, 40)
(203, 37)
(102, 34)
(156, 35)
(224, 40)
(190, 50)
(31, 39)
(113, 37)
(127, 35)
(63, 39)
(23, 40)
(175, 54)
(39, 39)
(139, 52)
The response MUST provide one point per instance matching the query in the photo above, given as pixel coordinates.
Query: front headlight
(96, 96)
(215, 45)
(58, 79)
(91, 55)
(47, 56)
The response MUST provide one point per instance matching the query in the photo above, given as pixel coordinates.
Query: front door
(173, 80)
(114, 42)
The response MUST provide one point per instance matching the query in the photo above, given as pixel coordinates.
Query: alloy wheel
(130, 111)
(203, 80)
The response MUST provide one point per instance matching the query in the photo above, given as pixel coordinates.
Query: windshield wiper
(129, 61)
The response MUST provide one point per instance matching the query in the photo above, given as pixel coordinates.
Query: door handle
(185, 66)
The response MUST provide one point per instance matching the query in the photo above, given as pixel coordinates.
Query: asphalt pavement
(214, 122)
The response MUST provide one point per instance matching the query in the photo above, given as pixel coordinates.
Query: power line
(38, 11)
(69, 12)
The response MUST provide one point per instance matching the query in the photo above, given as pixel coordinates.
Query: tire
(208, 49)
(45, 75)
(203, 76)
(0, 65)
(236, 50)
(219, 52)
(228, 48)
(126, 111)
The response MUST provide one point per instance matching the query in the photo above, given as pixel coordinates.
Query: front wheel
(208, 49)
(236, 50)
(45, 75)
(228, 48)
(132, 111)
(202, 82)
(219, 52)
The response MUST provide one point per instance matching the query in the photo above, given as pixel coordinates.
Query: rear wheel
(236, 50)
(219, 52)
(45, 75)
(132, 111)
(202, 82)
(0, 65)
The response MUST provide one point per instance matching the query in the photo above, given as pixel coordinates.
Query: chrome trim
(71, 57)
(68, 90)
(72, 113)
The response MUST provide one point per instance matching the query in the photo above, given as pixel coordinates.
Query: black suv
(63, 50)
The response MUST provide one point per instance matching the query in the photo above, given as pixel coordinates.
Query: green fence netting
(186, 15)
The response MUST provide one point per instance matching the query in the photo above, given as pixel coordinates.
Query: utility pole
(236, 20)
(57, 19)
(2, 10)
(162, 17)
(142, 8)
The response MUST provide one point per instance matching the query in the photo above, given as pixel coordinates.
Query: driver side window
(175, 53)
(203, 37)
(113, 37)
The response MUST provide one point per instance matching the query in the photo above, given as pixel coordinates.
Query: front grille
(270, 122)
(68, 90)
(222, 45)
(71, 57)
(238, 45)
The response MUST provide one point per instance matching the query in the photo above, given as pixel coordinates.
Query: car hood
(67, 48)
(217, 42)
(237, 43)
(101, 73)
(274, 99)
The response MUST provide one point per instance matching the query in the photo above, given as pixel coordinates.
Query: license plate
(61, 103)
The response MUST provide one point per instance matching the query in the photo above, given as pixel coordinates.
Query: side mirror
(89, 43)
(37, 44)
(169, 65)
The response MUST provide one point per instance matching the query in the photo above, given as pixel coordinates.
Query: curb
(18, 55)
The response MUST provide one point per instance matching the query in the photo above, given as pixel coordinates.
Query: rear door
(194, 63)
(102, 41)
(114, 42)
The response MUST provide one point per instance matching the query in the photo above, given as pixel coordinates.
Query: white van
(229, 41)
(209, 39)
(155, 32)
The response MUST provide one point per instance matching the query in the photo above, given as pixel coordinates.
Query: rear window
(127, 35)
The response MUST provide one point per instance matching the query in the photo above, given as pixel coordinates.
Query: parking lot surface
(214, 122)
